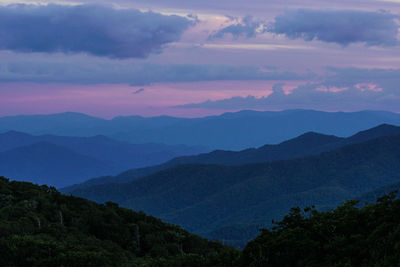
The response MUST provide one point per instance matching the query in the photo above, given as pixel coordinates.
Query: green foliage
(346, 236)
(41, 227)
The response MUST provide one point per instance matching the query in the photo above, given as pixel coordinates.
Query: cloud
(338, 26)
(93, 29)
(388, 79)
(120, 72)
(247, 27)
(343, 89)
(306, 97)
(138, 91)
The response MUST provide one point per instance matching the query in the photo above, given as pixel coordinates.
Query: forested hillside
(374, 194)
(205, 198)
(345, 236)
(41, 227)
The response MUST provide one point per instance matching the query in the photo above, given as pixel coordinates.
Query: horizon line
(195, 117)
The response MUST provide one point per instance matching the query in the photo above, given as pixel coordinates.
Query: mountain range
(307, 144)
(216, 199)
(62, 161)
(223, 194)
(229, 131)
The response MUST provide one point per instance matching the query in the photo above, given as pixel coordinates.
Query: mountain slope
(46, 163)
(122, 155)
(107, 157)
(41, 227)
(230, 131)
(372, 195)
(204, 198)
(295, 147)
(59, 124)
(305, 145)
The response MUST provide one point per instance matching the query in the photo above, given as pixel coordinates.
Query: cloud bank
(343, 27)
(306, 97)
(133, 73)
(343, 89)
(93, 29)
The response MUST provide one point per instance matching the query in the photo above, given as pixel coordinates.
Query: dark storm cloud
(93, 29)
(338, 26)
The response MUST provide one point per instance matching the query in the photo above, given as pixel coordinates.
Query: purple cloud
(338, 26)
(93, 29)
(306, 97)
(342, 89)
(248, 27)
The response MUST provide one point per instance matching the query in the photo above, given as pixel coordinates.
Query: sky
(197, 58)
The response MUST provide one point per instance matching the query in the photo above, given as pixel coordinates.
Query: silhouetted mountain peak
(378, 131)
(310, 139)
(384, 127)
(314, 135)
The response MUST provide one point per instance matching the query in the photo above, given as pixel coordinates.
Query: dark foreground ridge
(346, 236)
(41, 227)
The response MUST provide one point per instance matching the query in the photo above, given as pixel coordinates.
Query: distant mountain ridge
(47, 163)
(207, 197)
(79, 158)
(304, 145)
(229, 131)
